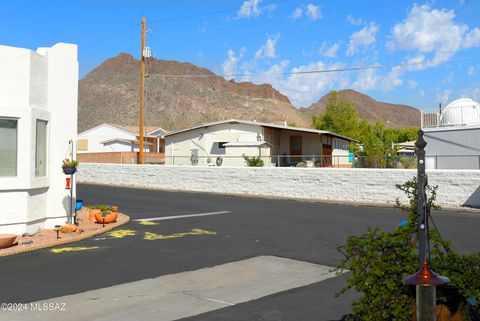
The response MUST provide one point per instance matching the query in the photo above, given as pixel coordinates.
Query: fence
(335, 161)
(120, 158)
(459, 116)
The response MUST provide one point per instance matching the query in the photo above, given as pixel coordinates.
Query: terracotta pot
(6, 240)
(92, 213)
(109, 218)
(115, 208)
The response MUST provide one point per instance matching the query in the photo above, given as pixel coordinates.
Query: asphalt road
(306, 231)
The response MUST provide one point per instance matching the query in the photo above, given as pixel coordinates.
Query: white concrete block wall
(358, 185)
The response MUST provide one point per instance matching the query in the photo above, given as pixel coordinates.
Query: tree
(377, 141)
(340, 117)
(378, 260)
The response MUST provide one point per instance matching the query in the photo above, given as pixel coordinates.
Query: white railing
(458, 116)
(429, 119)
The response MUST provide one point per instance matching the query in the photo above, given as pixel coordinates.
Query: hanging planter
(69, 166)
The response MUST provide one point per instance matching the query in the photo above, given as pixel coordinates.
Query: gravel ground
(48, 237)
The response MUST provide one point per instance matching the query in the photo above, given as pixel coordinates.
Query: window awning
(260, 143)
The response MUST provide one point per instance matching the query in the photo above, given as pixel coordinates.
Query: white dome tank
(461, 112)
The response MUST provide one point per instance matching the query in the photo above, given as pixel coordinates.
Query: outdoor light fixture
(425, 277)
(68, 181)
(57, 229)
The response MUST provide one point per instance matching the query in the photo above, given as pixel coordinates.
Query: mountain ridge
(110, 94)
(394, 115)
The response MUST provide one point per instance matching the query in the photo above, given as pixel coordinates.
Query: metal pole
(426, 302)
(142, 93)
(71, 199)
(425, 294)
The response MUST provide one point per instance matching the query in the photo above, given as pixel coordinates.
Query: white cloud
(330, 52)
(304, 89)
(311, 11)
(268, 50)
(472, 92)
(472, 39)
(412, 84)
(471, 70)
(427, 30)
(443, 96)
(297, 13)
(229, 66)
(356, 22)
(362, 39)
(366, 80)
(249, 9)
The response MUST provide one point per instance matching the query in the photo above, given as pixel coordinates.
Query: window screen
(41, 149)
(8, 147)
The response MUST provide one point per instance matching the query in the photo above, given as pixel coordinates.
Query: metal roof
(123, 140)
(260, 143)
(256, 123)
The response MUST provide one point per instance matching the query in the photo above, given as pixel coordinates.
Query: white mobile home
(116, 138)
(225, 143)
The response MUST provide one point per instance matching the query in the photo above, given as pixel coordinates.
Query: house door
(326, 155)
(295, 148)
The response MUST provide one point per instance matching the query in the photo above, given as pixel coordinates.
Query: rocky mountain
(392, 115)
(110, 94)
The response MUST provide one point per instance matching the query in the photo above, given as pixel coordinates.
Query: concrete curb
(80, 237)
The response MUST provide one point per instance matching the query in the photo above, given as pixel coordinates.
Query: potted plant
(69, 166)
(107, 214)
(93, 210)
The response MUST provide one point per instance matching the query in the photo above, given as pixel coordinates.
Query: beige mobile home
(228, 142)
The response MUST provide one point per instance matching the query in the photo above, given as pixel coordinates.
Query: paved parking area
(241, 228)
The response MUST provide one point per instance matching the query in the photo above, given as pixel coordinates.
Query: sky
(406, 52)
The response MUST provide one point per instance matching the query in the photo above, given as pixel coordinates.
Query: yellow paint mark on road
(154, 236)
(120, 234)
(147, 223)
(72, 249)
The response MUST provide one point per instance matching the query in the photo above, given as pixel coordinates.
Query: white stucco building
(224, 143)
(453, 136)
(117, 138)
(38, 117)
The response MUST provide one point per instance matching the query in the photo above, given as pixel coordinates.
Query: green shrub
(254, 161)
(106, 209)
(379, 260)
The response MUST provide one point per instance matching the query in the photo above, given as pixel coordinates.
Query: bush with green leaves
(106, 209)
(378, 260)
(254, 161)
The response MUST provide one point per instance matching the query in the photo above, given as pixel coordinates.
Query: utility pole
(142, 93)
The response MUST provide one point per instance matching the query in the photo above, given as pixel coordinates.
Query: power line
(109, 37)
(212, 13)
(306, 72)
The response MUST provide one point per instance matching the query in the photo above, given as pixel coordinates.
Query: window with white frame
(41, 148)
(8, 147)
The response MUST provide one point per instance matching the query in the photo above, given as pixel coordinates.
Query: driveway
(206, 230)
